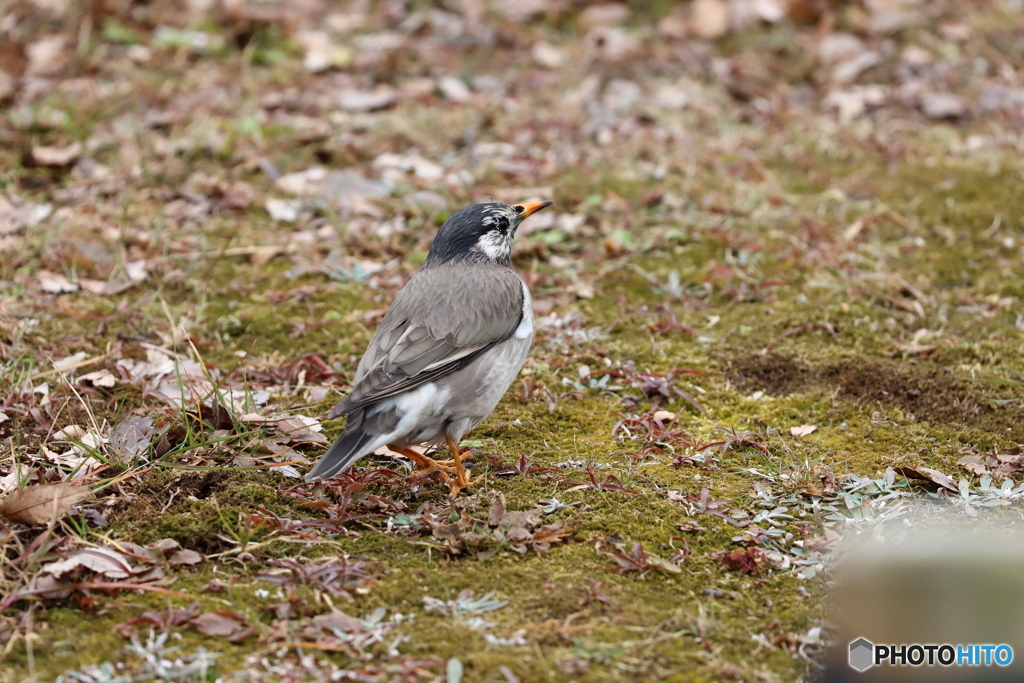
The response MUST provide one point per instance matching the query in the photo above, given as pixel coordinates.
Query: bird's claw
(458, 485)
(447, 468)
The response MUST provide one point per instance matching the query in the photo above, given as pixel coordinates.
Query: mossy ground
(809, 277)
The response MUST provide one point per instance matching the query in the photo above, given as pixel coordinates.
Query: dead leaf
(604, 14)
(54, 283)
(71, 362)
(942, 105)
(367, 100)
(103, 561)
(265, 254)
(185, 556)
(69, 433)
(47, 56)
(663, 564)
(100, 378)
(335, 620)
(283, 210)
(974, 464)
(518, 530)
(37, 504)
(299, 429)
(803, 430)
(709, 19)
(110, 287)
(56, 156)
(131, 438)
(322, 52)
(929, 475)
(915, 349)
(224, 623)
(939, 478)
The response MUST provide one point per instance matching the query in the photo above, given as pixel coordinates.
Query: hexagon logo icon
(862, 654)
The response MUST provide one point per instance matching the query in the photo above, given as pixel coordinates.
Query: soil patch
(923, 393)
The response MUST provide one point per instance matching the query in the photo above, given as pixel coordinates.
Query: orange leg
(462, 480)
(427, 466)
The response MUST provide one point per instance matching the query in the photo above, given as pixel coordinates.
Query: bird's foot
(461, 480)
(459, 483)
(452, 471)
(425, 466)
(428, 466)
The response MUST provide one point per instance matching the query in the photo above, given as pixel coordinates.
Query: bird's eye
(502, 223)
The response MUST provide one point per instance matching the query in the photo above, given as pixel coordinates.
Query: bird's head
(481, 233)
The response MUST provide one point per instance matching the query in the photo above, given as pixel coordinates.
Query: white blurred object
(956, 584)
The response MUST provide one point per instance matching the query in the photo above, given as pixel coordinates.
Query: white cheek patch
(494, 245)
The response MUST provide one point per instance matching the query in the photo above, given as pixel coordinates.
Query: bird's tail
(349, 447)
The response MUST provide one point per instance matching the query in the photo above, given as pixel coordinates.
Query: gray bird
(447, 350)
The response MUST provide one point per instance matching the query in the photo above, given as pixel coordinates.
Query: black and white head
(481, 233)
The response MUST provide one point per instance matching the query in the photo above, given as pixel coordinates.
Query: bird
(450, 345)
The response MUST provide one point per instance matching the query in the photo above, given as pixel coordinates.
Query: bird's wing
(440, 321)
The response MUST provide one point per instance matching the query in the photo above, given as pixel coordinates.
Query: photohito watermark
(864, 654)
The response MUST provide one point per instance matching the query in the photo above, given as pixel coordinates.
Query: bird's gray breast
(474, 391)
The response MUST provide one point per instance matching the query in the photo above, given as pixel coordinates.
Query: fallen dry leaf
(56, 156)
(54, 283)
(100, 378)
(914, 349)
(299, 429)
(132, 438)
(973, 464)
(928, 474)
(109, 563)
(518, 530)
(803, 430)
(335, 620)
(224, 623)
(37, 504)
(709, 19)
(185, 556)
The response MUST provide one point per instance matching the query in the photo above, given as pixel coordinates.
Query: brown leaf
(497, 510)
(103, 561)
(131, 438)
(37, 504)
(140, 552)
(929, 475)
(337, 620)
(295, 431)
(100, 378)
(224, 623)
(803, 430)
(939, 478)
(185, 557)
(56, 156)
(164, 545)
(54, 283)
(262, 255)
(915, 349)
(974, 464)
(709, 19)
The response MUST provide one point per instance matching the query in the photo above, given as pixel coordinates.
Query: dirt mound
(922, 392)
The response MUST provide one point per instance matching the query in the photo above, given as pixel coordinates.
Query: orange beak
(530, 208)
